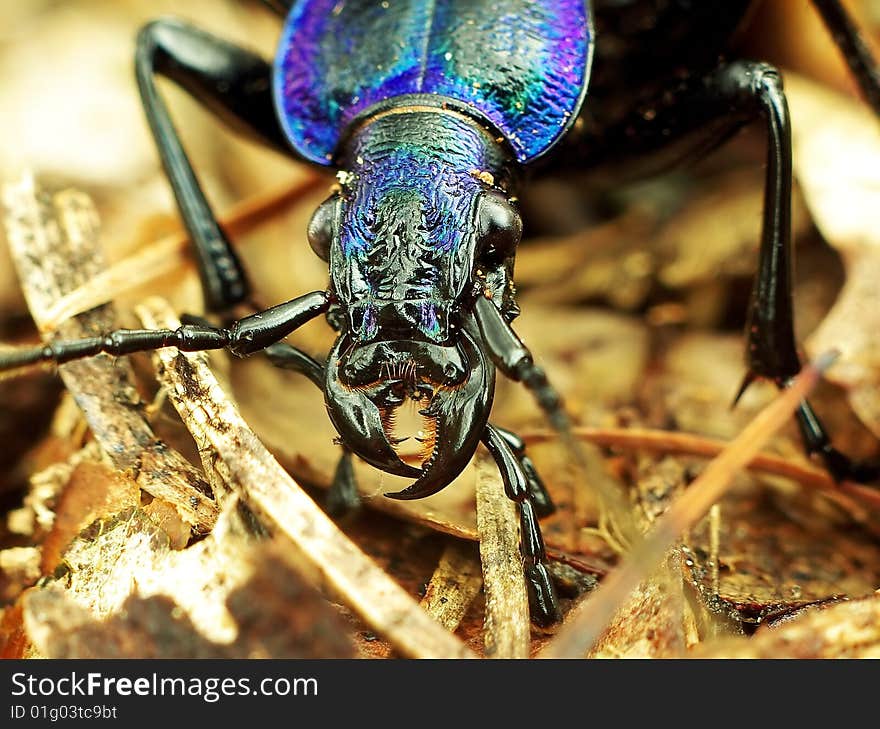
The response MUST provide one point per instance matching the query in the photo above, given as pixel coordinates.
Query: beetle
(432, 113)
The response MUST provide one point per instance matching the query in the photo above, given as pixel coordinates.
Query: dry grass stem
(323, 552)
(615, 524)
(688, 444)
(506, 621)
(585, 624)
(454, 585)
(639, 439)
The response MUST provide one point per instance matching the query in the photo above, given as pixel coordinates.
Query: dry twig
(689, 444)
(54, 244)
(507, 605)
(453, 586)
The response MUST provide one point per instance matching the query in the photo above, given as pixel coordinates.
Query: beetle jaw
(451, 387)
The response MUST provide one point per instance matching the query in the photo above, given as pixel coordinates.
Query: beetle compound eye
(499, 226)
(322, 226)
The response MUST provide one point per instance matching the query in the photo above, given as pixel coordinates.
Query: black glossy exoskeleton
(432, 112)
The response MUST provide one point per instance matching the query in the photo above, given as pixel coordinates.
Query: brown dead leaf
(769, 563)
(652, 622)
(167, 518)
(694, 385)
(280, 615)
(768, 550)
(36, 516)
(715, 235)
(19, 569)
(849, 629)
(837, 162)
(609, 261)
(597, 358)
(93, 492)
(129, 554)
(151, 627)
(275, 613)
(584, 623)
(14, 642)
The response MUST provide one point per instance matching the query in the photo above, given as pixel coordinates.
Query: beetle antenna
(514, 359)
(243, 337)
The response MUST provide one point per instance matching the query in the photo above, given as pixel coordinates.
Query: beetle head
(415, 231)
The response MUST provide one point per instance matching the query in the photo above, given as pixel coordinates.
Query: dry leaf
(275, 614)
(837, 162)
(849, 629)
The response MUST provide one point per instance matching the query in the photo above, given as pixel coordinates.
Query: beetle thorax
(405, 252)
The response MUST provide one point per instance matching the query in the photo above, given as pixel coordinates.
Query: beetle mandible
(432, 112)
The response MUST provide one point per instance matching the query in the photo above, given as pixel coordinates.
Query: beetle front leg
(854, 49)
(511, 356)
(233, 83)
(538, 493)
(543, 603)
(343, 497)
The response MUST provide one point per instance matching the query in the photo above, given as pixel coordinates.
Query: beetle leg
(287, 357)
(703, 111)
(513, 358)
(699, 113)
(855, 52)
(233, 83)
(538, 494)
(771, 350)
(343, 496)
(543, 603)
(816, 440)
(281, 7)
